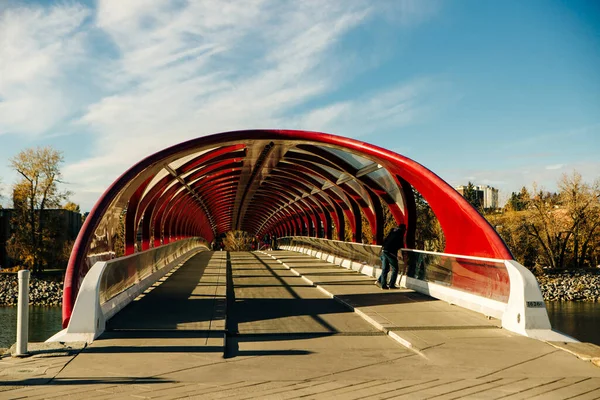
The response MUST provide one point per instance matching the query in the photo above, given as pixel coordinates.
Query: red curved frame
(272, 192)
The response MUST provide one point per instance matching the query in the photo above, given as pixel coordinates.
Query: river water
(577, 319)
(43, 323)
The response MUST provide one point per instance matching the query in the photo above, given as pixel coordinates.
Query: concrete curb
(584, 351)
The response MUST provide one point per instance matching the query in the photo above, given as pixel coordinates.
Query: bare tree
(581, 202)
(558, 230)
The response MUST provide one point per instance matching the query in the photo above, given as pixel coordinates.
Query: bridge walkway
(265, 325)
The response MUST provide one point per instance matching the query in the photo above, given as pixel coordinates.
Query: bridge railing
(357, 252)
(110, 285)
(485, 277)
(122, 273)
(497, 288)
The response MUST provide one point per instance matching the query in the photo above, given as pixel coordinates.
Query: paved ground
(285, 336)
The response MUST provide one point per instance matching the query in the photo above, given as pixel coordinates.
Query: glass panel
(161, 174)
(345, 178)
(383, 178)
(480, 277)
(358, 189)
(319, 179)
(357, 162)
(362, 253)
(335, 172)
(179, 190)
(175, 181)
(123, 273)
(340, 193)
(180, 161)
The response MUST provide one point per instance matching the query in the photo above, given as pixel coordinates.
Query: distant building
(69, 226)
(487, 195)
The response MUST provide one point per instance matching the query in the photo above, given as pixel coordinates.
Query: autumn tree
(581, 218)
(389, 222)
(70, 206)
(510, 225)
(556, 230)
(238, 241)
(36, 190)
(366, 236)
(348, 234)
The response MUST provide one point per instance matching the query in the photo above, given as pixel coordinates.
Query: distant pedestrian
(389, 257)
(273, 242)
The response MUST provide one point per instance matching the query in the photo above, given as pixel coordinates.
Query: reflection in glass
(481, 277)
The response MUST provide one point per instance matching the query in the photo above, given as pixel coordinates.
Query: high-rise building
(490, 196)
(487, 195)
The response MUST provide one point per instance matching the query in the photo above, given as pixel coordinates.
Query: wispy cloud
(39, 47)
(535, 140)
(555, 166)
(138, 76)
(394, 107)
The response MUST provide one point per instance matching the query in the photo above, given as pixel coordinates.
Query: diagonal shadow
(172, 303)
(382, 298)
(85, 381)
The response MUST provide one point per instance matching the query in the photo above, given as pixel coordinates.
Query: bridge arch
(268, 182)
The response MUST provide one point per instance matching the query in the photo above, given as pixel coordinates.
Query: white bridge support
(525, 313)
(90, 313)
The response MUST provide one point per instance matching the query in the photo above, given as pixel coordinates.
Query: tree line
(556, 230)
(543, 229)
(37, 240)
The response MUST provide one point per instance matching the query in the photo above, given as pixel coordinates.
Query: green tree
(471, 194)
(518, 201)
(36, 191)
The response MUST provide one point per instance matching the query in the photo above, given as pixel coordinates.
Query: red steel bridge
(301, 186)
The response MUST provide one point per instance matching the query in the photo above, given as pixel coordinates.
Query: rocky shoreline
(565, 286)
(42, 292)
(570, 286)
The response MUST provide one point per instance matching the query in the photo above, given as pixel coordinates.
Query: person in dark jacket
(389, 257)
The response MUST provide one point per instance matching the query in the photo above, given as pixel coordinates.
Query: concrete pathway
(297, 327)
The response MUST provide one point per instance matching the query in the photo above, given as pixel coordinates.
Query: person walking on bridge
(389, 257)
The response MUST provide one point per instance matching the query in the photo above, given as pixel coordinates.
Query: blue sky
(504, 93)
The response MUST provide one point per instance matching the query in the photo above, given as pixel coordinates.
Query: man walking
(389, 257)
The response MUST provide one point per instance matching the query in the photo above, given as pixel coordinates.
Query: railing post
(23, 314)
